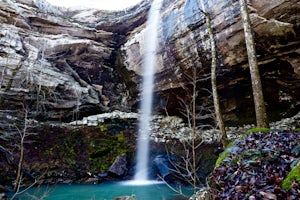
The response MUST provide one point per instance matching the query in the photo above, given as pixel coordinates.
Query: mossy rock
(294, 175)
(224, 154)
(221, 157)
(227, 151)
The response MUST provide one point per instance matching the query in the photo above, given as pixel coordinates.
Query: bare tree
(219, 118)
(259, 103)
(23, 134)
(15, 135)
(193, 119)
(184, 166)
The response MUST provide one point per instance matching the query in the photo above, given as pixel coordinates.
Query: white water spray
(149, 64)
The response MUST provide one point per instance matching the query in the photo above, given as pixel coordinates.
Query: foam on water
(141, 183)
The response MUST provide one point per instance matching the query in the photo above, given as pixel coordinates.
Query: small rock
(92, 180)
(202, 194)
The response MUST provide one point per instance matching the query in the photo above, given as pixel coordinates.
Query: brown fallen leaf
(240, 188)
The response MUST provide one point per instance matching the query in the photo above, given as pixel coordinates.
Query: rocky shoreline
(70, 166)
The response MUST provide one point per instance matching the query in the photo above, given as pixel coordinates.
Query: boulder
(119, 167)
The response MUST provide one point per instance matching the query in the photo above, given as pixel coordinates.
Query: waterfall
(149, 64)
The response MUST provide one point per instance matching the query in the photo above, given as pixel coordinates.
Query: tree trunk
(194, 129)
(20, 164)
(219, 118)
(259, 103)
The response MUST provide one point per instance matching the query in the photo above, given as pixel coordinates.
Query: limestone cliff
(68, 63)
(184, 44)
(62, 63)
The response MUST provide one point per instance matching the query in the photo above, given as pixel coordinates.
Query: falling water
(149, 63)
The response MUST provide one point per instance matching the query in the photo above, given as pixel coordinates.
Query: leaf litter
(257, 167)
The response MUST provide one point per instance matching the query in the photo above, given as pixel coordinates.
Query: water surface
(104, 191)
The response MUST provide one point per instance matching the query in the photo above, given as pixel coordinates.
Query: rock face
(184, 44)
(64, 64)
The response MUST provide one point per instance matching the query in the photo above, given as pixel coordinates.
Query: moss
(103, 128)
(91, 149)
(221, 157)
(224, 154)
(230, 145)
(103, 149)
(256, 130)
(249, 153)
(291, 177)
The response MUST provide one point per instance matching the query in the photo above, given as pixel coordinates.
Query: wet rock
(119, 167)
(67, 58)
(92, 181)
(162, 164)
(125, 198)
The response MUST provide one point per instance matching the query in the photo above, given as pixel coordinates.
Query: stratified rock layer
(64, 64)
(185, 45)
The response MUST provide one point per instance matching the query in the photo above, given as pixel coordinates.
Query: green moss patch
(294, 175)
(256, 130)
(81, 149)
(224, 154)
